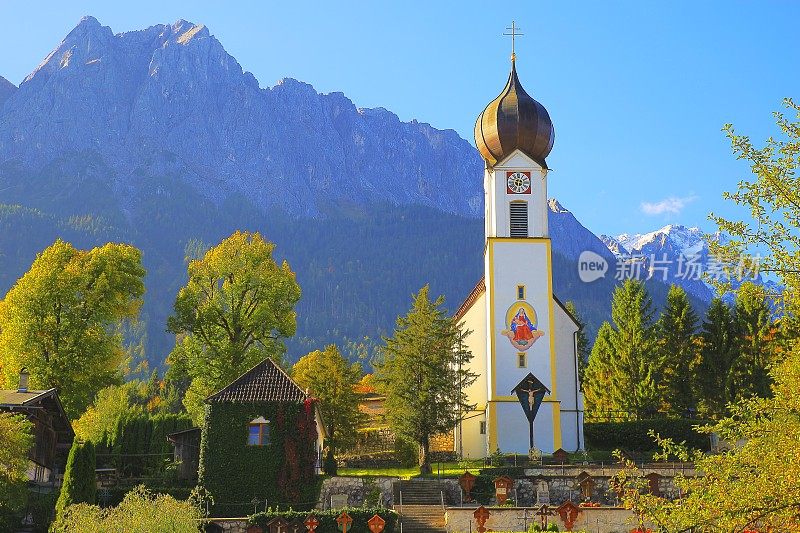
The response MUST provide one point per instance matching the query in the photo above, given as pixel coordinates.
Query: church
(523, 339)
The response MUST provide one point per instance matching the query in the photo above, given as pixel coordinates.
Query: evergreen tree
(750, 373)
(624, 377)
(424, 374)
(597, 377)
(676, 329)
(718, 351)
(79, 484)
(581, 341)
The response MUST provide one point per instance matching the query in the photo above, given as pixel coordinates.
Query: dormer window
(258, 432)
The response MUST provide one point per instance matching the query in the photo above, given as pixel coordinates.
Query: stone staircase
(421, 510)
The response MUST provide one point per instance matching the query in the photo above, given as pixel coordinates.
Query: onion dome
(513, 121)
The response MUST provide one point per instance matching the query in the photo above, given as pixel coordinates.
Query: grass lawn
(442, 469)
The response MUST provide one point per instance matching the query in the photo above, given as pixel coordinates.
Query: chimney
(23, 380)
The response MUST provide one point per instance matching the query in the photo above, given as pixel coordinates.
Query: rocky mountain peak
(6, 90)
(170, 98)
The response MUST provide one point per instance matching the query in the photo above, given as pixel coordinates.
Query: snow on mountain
(615, 246)
(677, 254)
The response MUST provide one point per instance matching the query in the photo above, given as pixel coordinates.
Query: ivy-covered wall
(282, 472)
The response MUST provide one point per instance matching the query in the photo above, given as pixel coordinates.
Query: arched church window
(518, 212)
(258, 432)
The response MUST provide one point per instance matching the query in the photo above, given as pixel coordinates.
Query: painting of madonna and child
(522, 330)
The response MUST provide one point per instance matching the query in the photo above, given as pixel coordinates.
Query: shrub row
(633, 435)
(327, 519)
(138, 444)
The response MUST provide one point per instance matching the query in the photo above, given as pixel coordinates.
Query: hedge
(138, 444)
(327, 519)
(633, 435)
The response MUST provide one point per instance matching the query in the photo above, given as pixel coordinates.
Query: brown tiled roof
(479, 289)
(265, 382)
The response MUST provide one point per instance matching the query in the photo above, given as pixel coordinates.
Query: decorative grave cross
(278, 525)
(481, 516)
(502, 486)
(568, 512)
(311, 523)
(344, 522)
(467, 482)
(544, 513)
(376, 524)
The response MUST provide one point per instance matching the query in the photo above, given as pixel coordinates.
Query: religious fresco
(521, 326)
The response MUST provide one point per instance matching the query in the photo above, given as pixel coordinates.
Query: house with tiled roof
(261, 440)
(52, 431)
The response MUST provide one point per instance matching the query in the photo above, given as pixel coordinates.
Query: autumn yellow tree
(233, 312)
(331, 378)
(62, 320)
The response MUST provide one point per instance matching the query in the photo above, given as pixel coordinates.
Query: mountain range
(159, 138)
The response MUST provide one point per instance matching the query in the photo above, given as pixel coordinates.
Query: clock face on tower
(518, 182)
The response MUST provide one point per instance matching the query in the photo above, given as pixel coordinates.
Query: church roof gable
(265, 382)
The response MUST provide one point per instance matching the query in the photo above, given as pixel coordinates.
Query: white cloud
(672, 205)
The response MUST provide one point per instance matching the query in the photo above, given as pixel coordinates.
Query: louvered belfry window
(519, 219)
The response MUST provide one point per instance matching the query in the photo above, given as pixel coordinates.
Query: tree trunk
(424, 463)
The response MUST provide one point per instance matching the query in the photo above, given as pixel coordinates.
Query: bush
(79, 484)
(633, 435)
(330, 466)
(406, 452)
(327, 519)
(140, 512)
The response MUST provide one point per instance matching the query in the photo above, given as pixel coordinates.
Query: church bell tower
(515, 134)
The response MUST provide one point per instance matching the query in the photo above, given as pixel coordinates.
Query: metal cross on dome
(514, 29)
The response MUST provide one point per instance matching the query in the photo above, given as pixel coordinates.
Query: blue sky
(638, 91)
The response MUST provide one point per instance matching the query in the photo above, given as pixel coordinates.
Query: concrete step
(421, 518)
(423, 491)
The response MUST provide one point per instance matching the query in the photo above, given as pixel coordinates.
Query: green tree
(139, 512)
(16, 439)
(424, 374)
(753, 319)
(599, 403)
(79, 484)
(581, 341)
(772, 196)
(100, 418)
(623, 378)
(676, 329)
(754, 485)
(332, 379)
(61, 320)
(236, 307)
(718, 351)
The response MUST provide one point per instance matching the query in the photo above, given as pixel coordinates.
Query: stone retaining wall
(594, 520)
(356, 489)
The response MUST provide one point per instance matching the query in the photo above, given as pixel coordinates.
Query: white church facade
(519, 328)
